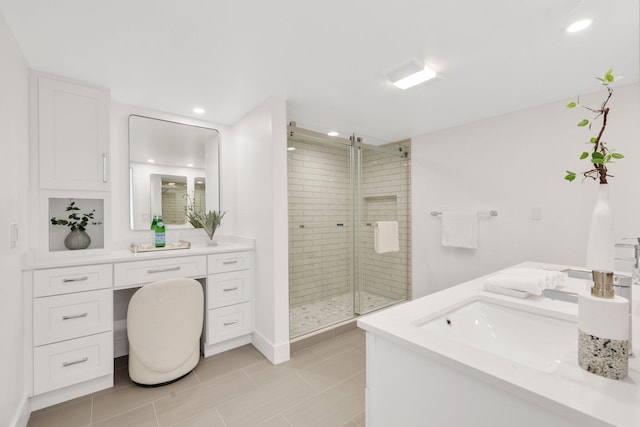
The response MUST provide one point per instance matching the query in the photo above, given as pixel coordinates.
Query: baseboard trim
(23, 411)
(274, 353)
(71, 392)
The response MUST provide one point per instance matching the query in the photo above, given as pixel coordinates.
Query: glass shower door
(381, 193)
(321, 282)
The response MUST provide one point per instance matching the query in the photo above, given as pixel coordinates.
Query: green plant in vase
(77, 222)
(208, 220)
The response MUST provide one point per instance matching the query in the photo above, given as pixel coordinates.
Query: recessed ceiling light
(198, 110)
(578, 26)
(291, 148)
(333, 133)
(190, 165)
(151, 161)
(409, 74)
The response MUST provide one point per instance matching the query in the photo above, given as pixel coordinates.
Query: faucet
(623, 284)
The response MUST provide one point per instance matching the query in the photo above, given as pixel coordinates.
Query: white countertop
(76, 258)
(611, 401)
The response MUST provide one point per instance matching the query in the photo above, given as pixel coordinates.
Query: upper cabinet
(73, 135)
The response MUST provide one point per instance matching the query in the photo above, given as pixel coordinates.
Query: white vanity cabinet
(229, 293)
(73, 135)
(72, 327)
(74, 319)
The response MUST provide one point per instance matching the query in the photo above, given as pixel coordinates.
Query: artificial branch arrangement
(76, 220)
(210, 220)
(600, 154)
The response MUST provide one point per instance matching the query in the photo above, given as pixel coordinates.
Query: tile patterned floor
(319, 314)
(322, 385)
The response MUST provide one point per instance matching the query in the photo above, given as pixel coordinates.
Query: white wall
(122, 235)
(261, 212)
(14, 173)
(514, 163)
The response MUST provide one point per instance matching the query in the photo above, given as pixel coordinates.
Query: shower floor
(318, 314)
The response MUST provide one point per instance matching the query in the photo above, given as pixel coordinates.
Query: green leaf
(570, 176)
(608, 158)
(593, 140)
(608, 76)
(584, 155)
(572, 105)
(584, 122)
(617, 156)
(597, 158)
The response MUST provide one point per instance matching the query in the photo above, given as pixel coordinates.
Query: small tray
(182, 244)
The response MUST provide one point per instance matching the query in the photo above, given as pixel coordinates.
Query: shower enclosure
(338, 189)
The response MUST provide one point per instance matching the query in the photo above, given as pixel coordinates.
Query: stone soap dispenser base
(603, 342)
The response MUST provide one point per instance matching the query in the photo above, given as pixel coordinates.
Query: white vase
(600, 243)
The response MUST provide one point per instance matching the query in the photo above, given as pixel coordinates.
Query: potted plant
(198, 218)
(77, 222)
(603, 344)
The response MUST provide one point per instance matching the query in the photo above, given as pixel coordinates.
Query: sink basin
(532, 339)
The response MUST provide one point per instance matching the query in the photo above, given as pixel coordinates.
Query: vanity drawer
(56, 281)
(64, 317)
(70, 362)
(228, 288)
(139, 272)
(221, 263)
(228, 322)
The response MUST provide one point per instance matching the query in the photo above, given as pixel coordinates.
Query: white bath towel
(460, 229)
(531, 280)
(385, 237)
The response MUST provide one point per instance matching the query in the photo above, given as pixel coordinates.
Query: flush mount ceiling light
(333, 133)
(198, 110)
(151, 161)
(190, 165)
(578, 26)
(409, 74)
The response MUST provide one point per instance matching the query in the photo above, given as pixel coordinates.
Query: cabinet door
(73, 135)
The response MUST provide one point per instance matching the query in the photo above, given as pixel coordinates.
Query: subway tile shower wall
(321, 228)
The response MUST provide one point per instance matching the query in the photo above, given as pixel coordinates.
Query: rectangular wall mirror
(168, 163)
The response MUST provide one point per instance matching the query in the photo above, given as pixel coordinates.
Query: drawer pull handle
(233, 322)
(77, 279)
(235, 261)
(104, 167)
(75, 362)
(163, 270)
(75, 316)
(235, 288)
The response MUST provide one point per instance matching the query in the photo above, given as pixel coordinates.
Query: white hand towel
(385, 237)
(460, 229)
(531, 280)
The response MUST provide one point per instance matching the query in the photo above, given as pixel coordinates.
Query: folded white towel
(531, 280)
(385, 237)
(460, 229)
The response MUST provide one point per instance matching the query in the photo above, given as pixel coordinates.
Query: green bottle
(160, 233)
(154, 223)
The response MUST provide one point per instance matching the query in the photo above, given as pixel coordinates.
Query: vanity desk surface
(125, 255)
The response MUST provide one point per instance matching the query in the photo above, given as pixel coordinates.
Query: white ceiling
(328, 58)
